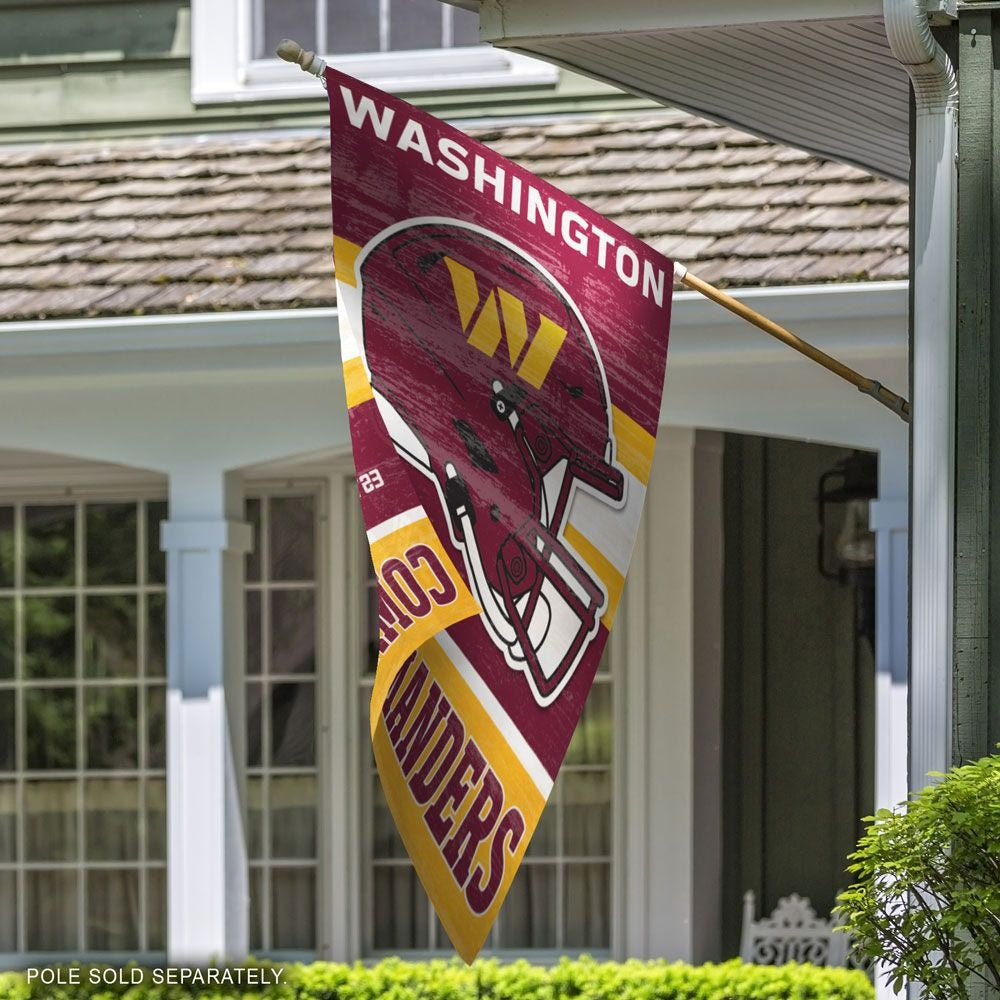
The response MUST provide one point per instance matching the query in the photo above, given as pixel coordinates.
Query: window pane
(109, 645)
(588, 906)
(252, 514)
(8, 821)
(253, 599)
(6, 638)
(293, 726)
(6, 546)
(50, 815)
(255, 818)
(401, 911)
(587, 813)
(156, 635)
(49, 637)
(293, 538)
(8, 761)
(293, 908)
(591, 743)
(51, 728)
(293, 632)
(293, 816)
(351, 27)
(49, 546)
(156, 726)
(464, 27)
(51, 907)
(156, 819)
(111, 543)
(156, 558)
(545, 842)
(8, 911)
(111, 727)
(371, 621)
(286, 19)
(111, 814)
(112, 910)
(257, 877)
(156, 909)
(386, 842)
(528, 914)
(254, 725)
(415, 24)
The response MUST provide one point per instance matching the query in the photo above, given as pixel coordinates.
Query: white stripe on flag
(497, 713)
(394, 523)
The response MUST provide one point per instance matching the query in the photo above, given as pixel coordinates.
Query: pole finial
(292, 52)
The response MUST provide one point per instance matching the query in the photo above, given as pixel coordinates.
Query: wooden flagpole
(292, 52)
(869, 386)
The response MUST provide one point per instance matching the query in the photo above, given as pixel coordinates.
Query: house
(185, 617)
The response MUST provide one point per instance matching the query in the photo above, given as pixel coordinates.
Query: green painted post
(976, 685)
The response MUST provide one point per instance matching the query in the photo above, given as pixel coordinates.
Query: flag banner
(503, 350)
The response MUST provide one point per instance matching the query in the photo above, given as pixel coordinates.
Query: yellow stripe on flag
(613, 580)
(466, 928)
(634, 445)
(395, 546)
(356, 384)
(345, 256)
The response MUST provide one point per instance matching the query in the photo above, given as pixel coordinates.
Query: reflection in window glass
(50, 820)
(6, 547)
(50, 728)
(50, 546)
(109, 645)
(111, 720)
(111, 543)
(7, 638)
(49, 637)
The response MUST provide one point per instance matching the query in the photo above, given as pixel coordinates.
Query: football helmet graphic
(489, 383)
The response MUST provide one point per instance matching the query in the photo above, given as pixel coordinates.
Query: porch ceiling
(816, 74)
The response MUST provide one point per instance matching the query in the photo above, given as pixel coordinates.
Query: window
(560, 899)
(82, 739)
(281, 698)
(398, 45)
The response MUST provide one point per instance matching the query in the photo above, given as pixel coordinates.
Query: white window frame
(72, 486)
(223, 72)
(317, 487)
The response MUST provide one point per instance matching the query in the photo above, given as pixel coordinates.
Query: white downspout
(935, 87)
(933, 247)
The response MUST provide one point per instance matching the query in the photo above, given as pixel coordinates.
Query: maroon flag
(504, 350)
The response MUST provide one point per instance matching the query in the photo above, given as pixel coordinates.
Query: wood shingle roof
(230, 223)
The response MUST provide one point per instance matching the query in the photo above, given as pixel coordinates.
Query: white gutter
(933, 250)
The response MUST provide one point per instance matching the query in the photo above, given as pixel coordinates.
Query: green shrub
(927, 897)
(584, 979)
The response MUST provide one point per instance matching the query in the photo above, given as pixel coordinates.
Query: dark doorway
(798, 680)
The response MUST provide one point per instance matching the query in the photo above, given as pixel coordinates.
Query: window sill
(401, 72)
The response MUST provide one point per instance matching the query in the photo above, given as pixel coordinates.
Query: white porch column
(889, 521)
(671, 645)
(207, 884)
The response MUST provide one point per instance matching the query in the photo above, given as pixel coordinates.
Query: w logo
(500, 316)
